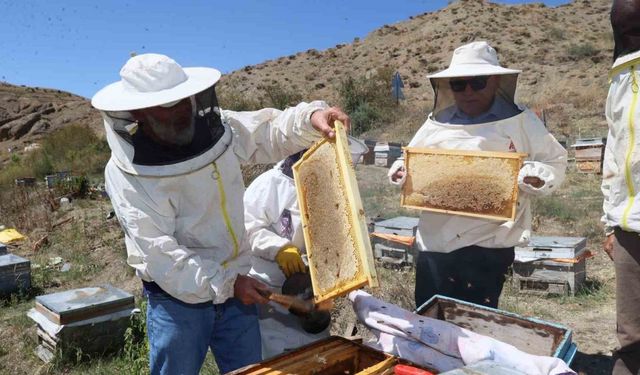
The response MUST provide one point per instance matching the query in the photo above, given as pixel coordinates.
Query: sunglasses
(476, 83)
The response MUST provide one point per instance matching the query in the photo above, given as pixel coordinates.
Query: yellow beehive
(334, 225)
(470, 183)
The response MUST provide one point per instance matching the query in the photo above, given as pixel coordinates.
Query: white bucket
(357, 148)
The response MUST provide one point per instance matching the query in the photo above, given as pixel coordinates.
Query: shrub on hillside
(368, 100)
(579, 51)
(276, 96)
(75, 148)
(235, 100)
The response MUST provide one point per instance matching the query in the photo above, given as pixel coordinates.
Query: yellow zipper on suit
(632, 141)
(225, 214)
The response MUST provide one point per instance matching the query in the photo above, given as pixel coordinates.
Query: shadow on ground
(592, 364)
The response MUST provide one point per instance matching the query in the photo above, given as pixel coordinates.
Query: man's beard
(168, 134)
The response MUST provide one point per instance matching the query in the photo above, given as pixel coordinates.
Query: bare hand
(607, 246)
(247, 290)
(398, 175)
(323, 120)
(533, 181)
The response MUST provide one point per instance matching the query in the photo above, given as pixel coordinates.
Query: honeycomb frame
(481, 184)
(326, 170)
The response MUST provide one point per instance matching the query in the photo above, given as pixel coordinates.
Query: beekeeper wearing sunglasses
(474, 109)
(175, 183)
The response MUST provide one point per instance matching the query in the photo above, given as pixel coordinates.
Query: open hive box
(334, 225)
(470, 183)
(331, 356)
(533, 336)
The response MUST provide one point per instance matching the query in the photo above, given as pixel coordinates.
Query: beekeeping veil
(469, 60)
(193, 129)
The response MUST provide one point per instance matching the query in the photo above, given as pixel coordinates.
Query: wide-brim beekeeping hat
(474, 59)
(151, 80)
(469, 60)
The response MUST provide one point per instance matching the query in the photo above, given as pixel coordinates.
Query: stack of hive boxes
(89, 320)
(551, 265)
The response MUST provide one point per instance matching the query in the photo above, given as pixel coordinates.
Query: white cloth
(185, 231)
(524, 133)
(441, 345)
(268, 199)
(620, 177)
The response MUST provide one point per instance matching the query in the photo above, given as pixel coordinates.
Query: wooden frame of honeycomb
(481, 184)
(333, 220)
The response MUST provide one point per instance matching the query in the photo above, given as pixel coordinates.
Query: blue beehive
(15, 274)
(533, 336)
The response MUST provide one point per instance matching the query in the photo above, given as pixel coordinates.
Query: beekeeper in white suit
(474, 109)
(272, 221)
(175, 183)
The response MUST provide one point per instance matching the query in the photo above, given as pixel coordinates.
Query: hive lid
(482, 184)
(583, 142)
(12, 260)
(399, 222)
(333, 219)
(84, 303)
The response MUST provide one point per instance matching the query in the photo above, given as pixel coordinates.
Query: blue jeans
(180, 335)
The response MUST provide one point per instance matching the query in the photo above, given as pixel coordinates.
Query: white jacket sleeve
(547, 158)
(270, 135)
(177, 269)
(261, 205)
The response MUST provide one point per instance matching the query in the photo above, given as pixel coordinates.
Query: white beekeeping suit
(620, 179)
(522, 132)
(182, 211)
(272, 221)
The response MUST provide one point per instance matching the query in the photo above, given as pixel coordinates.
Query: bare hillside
(564, 52)
(28, 114)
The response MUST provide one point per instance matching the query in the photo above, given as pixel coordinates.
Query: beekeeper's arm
(544, 170)
(262, 205)
(269, 135)
(178, 270)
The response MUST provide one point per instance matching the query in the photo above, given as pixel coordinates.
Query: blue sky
(80, 45)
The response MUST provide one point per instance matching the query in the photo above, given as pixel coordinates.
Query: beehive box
(386, 153)
(551, 247)
(589, 154)
(469, 183)
(550, 265)
(333, 219)
(390, 251)
(15, 274)
(81, 304)
(369, 157)
(331, 356)
(529, 335)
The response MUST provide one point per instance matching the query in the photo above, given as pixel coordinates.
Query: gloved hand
(290, 261)
(397, 173)
(532, 178)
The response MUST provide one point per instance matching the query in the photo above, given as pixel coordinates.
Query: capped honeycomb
(481, 184)
(336, 237)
